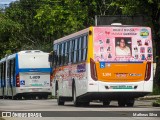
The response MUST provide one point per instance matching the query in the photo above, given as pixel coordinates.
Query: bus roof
(21, 52)
(71, 35)
(30, 51)
(87, 30)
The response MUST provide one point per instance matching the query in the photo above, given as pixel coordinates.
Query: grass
(156, 103)
(156, 90)
(51, 97)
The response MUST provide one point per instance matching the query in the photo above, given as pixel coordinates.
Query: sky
(6, 1)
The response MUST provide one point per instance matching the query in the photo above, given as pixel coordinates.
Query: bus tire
(56, 89)
(85, 104)
(14, 98)
(60, 101)
(45, 96)
(121, 103)
(130, 103)
(40, 97)
(1, 97)
(75, 100)
(106, 103)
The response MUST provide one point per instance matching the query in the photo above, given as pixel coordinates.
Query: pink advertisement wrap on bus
(122, 44)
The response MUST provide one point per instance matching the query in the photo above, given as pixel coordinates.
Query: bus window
(70, 50)
(62, 53)
(75, 51)
(84, 54)
(59, 53)
(66, 54)
(4, 74)
(73, 46)
(55, 57)
(79, 49)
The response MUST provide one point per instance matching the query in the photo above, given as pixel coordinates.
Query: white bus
(105, 63)
(25, 74)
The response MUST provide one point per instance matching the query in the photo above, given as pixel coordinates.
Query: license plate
(121, 75)
(121, 87)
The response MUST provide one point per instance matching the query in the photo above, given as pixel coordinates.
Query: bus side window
(9, 73)
(50, 59)
(4, 74)
(75, 51)
(72, 50)
(66, 54)
(69, 50)
(80, 49)
(59, 54)
(55, 58)
(62, 53)
(84, 53)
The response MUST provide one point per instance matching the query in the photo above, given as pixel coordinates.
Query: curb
(151, 97)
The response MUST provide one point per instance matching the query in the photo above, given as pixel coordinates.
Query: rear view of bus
(33, 74)
(121, 63)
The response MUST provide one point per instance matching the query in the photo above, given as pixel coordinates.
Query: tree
(31, 36)
(60, 18)
(9, 32)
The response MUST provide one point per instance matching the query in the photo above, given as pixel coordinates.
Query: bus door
(9, 79)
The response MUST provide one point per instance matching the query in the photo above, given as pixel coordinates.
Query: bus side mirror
(50, 59)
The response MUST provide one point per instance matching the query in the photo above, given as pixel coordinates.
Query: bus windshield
(33, 61)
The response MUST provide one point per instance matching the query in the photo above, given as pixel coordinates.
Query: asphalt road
(96, 110)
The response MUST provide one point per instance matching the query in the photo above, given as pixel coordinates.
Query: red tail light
(148, 71)
(17, 81)
(93, 70)
(51, 78)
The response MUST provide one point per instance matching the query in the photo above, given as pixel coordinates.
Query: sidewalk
(150, 97)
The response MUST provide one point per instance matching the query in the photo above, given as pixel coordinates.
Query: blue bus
(26, 74)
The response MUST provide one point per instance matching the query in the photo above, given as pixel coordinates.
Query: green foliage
(156, 90)
(61, 17)
(34, 24)
(156, 103)
(9, 31)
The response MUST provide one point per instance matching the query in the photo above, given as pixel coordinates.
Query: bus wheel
(106, 103)
(85, 103)
(60, 101)
(121, 103)
(130, 103)
(33, 97)
(39, 97)
(10, 97)
(56, 89)
(45, 96)
(75, 100)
